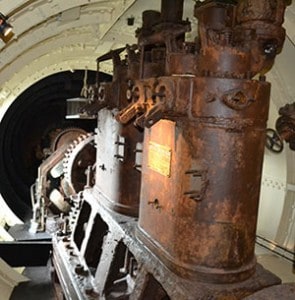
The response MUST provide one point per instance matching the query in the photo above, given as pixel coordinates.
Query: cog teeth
(69, 161)
(60, 133)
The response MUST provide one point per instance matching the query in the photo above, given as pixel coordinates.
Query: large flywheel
(79, 165)
(68, 168)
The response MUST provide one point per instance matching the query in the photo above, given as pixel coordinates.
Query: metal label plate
(159, 158)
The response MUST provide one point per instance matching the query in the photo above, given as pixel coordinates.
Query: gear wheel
(79, 159)
(65, 136)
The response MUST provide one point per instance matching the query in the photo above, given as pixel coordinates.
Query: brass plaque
(159, 158)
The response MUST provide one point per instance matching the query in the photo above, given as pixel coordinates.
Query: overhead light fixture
(5, 28)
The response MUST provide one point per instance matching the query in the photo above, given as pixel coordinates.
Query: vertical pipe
(172, 11)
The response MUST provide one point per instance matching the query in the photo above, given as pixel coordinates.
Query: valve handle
(273, 141)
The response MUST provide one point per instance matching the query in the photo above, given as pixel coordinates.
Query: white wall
(276, 219)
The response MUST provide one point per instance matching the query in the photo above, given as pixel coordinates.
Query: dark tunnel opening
(25, 129)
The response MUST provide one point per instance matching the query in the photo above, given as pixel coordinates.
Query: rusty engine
(161, 201)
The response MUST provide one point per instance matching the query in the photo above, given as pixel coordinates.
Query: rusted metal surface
(209, 217)
(123, 268)
(239, 38)
(284, 291)
(118, 164)
(210, 116)
(204, 119)
(118, 175)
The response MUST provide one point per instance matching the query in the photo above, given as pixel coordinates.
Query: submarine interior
(147, 149)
